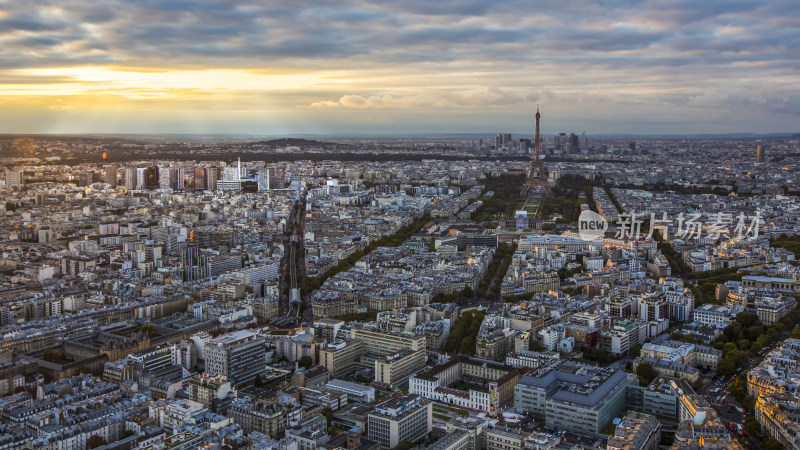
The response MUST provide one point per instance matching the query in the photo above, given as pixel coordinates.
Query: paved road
(727, 406)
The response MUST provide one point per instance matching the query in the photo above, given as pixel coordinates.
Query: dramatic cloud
(665, 66)
(489, 97)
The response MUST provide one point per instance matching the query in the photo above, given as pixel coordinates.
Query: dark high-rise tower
(537, 177)
(151, 177)
(110, 175)
(199, 178)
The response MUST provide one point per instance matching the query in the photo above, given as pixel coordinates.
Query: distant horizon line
(404, 135)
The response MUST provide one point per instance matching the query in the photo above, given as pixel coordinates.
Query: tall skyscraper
(525, 145)
(171, 177)
(265, 178)
(131, 178)
(560, 142)
(151, 177)
(141, 178)
(199, 178)
(110, 175)
(279, 179)
(574, 143)
(176, 178)
(163, 177)
(759, 154)
(212, 176)
(243, 172)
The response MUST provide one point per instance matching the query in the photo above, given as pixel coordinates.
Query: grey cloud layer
(199, 32)
(689, 53)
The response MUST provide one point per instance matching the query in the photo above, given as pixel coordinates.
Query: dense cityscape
(415, 225)
(406, 298)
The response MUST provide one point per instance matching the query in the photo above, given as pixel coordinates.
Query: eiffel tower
(536, 183)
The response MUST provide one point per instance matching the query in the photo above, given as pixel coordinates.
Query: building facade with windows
(406, 418)
(240, 356)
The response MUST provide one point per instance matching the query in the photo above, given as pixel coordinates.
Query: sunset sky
(412, 66)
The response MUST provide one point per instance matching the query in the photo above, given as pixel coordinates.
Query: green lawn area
(443, 408)
(463, 386)
(506, 198)
(791, 243)
(569, 193)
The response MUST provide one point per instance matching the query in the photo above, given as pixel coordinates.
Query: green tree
(466, 346)
(772, 444)
(759, 344)
(739, 357)
(127, 434)
(598, 355)
(328, 413)
(95, 441)
(729, 347)
(749, 405)
(53, 356)
(466, 328)
(748, 319)
(646, 373)
(404, 445)
(305, 361)
(149, 330)
(738, 389)
(752, 333)
(726, 367)
(676, 336)
(752, 426)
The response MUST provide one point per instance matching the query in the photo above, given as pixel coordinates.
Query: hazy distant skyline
(373, 67)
